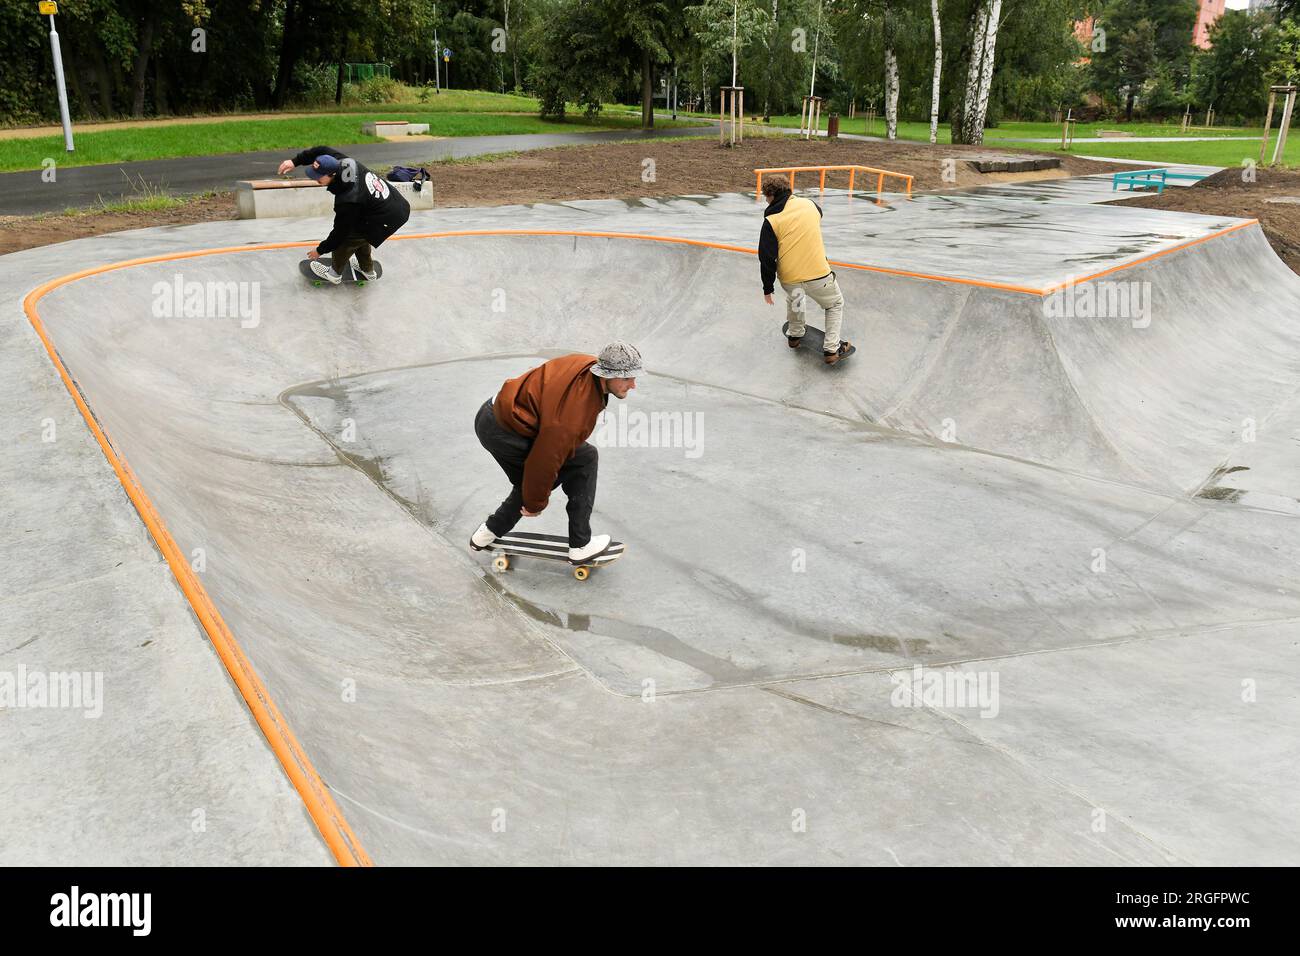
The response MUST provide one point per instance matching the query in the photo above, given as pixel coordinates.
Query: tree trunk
(971, 93)
(647, 100)
(938, 70)
(771, 52)
(103, 83)
(142, 64)
(160, 103)
(979, 76)
(514, 47)
(891, 78)
(74, 68)
(891, 94)
(1128, 106)
(986, 73)
(289, 43)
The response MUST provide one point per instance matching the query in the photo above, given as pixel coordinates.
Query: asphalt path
(27, 193)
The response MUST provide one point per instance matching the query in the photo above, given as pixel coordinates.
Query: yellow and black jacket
(790, 244)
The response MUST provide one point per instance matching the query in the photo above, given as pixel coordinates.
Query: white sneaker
(369, 276)
(481, 538)
(325, 272)
(595, 546)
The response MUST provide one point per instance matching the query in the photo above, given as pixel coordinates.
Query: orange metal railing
(853, 171)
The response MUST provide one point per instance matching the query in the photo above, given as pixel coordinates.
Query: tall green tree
(1140, 36)
(1233, 74)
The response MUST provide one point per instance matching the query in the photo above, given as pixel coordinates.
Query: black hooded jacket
(365, 204)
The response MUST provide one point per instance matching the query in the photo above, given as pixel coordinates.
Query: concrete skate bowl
(319, 473)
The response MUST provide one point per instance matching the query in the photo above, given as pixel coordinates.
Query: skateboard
(350, 274)
(550, 546)
(815, 340)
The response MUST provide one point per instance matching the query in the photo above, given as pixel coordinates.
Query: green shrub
(314, 84)
(377, 89)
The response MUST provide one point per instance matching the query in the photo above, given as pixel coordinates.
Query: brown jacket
(556, 405)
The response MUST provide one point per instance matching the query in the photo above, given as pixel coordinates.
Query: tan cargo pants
(826, 293)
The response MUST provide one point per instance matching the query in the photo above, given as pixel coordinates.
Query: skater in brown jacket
(537, 428)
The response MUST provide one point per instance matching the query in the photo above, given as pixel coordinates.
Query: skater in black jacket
(367, 210)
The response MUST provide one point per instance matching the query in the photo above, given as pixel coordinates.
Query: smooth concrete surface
(173, 770)
(988, 488)
(1097, 188)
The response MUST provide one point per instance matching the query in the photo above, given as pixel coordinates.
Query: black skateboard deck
(350, 274)
(553, 547)
(814, 341)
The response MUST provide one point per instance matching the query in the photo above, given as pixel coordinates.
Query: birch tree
(891, 77)
(771, 42)
(968, 126)
(977, 116)
(938, 71)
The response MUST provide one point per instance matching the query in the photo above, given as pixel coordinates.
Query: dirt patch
(1273, 198)
(685, 167)
(28, 232)
(606, 171)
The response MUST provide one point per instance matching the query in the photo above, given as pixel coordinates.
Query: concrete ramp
(990, 476)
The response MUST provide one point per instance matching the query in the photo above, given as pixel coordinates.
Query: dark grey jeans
(357, 244)
(577, 477)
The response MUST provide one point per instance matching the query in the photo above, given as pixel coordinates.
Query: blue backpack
(410, 174)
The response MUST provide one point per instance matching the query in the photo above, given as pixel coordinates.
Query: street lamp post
(50, 8)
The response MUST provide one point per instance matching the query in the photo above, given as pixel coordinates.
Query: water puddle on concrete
(346, 398)
(651, 638)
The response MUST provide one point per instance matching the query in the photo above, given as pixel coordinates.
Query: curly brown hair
(774, 190)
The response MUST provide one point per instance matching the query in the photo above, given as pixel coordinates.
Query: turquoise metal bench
(1140, 177)
(1149, 177)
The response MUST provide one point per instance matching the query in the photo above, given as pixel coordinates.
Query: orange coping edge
(326, 814)
(320, 804)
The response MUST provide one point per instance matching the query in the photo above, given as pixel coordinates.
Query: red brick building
(1210, 11)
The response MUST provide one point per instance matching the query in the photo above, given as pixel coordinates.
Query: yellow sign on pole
(48, 8)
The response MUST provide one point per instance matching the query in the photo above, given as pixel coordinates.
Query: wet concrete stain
(374, 467)
(1214, 492)
(651, 638)
(339, 392)
(1221, 494)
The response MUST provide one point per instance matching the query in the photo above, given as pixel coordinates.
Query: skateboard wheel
(581, 573)
(501, 563)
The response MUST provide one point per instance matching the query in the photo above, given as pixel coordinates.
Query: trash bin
(833, 126)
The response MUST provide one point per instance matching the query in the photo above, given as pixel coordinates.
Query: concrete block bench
(394, 128)
(1112, 134)
(1002, 163)
(302, 198)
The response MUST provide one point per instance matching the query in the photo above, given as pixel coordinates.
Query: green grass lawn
(1229, 152)
(1203, 154)
(1017, 130)
(291, 135)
